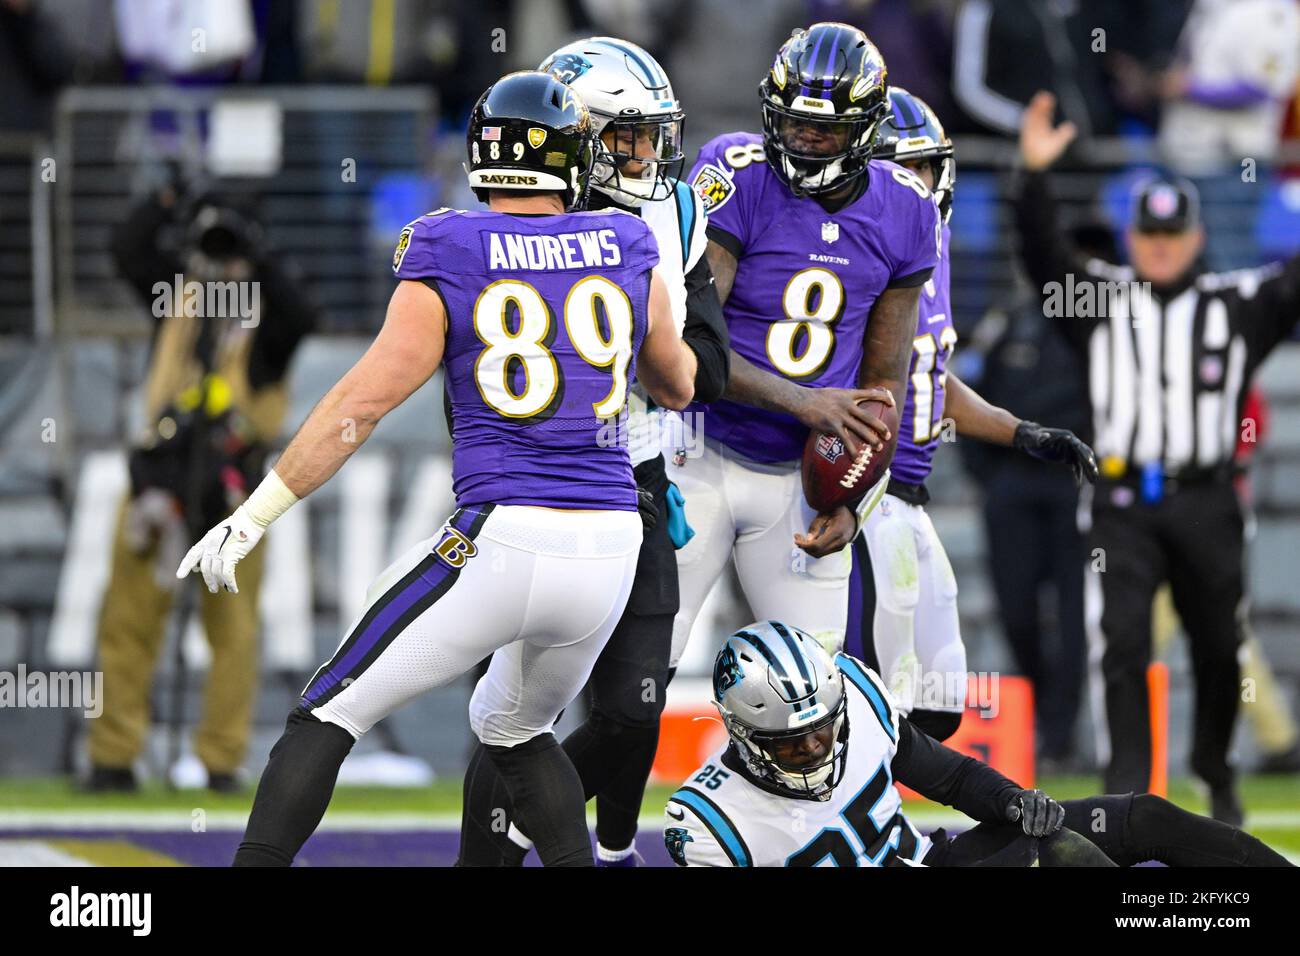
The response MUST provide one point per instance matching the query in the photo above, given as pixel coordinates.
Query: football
(832, 477)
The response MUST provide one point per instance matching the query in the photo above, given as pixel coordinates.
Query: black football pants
(1193, 539)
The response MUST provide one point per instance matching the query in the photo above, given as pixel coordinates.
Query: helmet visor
(807, 137)
(808, 760)
(639, 154)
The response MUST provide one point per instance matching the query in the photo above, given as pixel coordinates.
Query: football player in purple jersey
(541, 315)
(819, 255)
(639, 120)
(903, 596)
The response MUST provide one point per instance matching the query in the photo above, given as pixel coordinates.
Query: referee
(1170, 351)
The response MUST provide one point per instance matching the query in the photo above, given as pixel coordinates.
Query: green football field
(1272, 805)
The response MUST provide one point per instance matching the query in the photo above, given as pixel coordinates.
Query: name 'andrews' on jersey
(545, 317)
(806, 279)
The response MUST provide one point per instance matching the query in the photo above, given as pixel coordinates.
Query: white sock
(518, 839)
(613, 856)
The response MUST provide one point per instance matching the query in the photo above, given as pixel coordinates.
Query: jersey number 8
(529, 346)
(799, 345)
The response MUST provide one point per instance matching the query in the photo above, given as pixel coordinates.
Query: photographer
(215, 396)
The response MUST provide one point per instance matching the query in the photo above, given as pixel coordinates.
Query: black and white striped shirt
(1168, 370)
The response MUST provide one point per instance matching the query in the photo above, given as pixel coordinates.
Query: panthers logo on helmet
(726, 672)
(567, 67)
(713, 186)
(676, 838)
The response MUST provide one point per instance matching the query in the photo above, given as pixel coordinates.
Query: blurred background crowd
(289, 140)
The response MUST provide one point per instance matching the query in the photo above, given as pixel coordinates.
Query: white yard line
(35, 853)
(164, 820)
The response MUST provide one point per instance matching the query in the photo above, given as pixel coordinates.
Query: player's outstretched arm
(1046, 253)
(945, 776)
(973, 417)
(665, 365)
(405, 353)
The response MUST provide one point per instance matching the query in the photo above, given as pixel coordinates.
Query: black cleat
(110, 780)
(1282, 764)
(224, 783)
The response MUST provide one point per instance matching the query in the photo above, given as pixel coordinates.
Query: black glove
(1039, 814)
(1057, 444)
(645, 504)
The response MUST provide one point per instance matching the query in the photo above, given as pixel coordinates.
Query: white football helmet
(629, 95)
(771, 683)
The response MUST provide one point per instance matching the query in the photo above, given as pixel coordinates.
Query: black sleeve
(289, 314)
(1045, 252)
(138, 251)
(1273, 312)
(912, 279)
(950, 778)
(706, 333)
(726, 240)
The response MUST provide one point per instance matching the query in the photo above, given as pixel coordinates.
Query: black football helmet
(824, 97)
(530, 132)
(911, 131)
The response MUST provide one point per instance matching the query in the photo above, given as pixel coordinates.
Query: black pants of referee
(1192, 538)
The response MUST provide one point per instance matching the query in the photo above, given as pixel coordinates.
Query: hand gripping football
(832, 477)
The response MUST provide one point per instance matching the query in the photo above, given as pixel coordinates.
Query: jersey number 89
(529, 346)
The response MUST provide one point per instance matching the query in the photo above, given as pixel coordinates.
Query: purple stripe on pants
(381, 622)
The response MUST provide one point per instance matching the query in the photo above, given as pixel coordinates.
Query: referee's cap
(1166, 204)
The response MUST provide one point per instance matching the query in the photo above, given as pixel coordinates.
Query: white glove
(221, 549)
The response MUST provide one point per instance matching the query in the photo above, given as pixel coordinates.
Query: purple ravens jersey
(545, 315)
(806, 279)
(921, 426)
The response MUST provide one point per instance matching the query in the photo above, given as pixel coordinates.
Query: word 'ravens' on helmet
(782, 701)
(911, 134)
(822, 100)
(529, 132)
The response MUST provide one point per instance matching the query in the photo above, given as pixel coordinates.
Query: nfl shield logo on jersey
(830, 231)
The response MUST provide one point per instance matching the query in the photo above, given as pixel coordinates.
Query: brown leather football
(832, 477)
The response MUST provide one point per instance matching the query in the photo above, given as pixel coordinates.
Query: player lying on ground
(537, 562)
(639, 121)
(807, 777)
(902, 615)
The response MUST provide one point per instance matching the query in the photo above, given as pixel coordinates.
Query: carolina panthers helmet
(773, 683)
(832, 78)
(628, 93)
(912, 131)
(529, 132)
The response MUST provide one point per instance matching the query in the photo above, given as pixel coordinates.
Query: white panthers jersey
(678, 224)
(722, 818)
